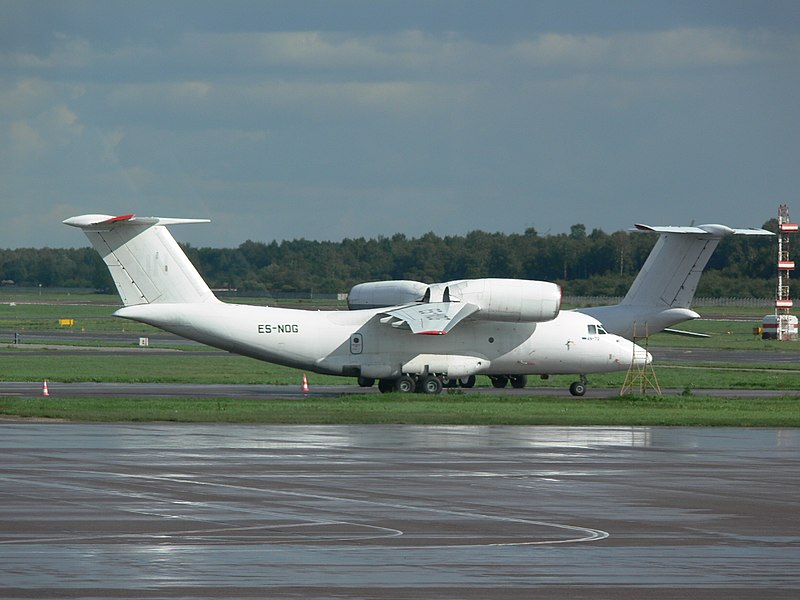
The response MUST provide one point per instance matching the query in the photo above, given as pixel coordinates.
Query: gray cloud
(279, 133)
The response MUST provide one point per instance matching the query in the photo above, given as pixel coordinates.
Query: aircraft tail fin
(670, 275)
(146, 263)
(663, 291)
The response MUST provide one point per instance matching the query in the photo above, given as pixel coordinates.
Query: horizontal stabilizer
(685, 333)
(107, 222)
(710, 230)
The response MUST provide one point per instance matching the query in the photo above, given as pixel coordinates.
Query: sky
(336, 119)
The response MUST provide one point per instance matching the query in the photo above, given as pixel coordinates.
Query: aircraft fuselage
(357, 343)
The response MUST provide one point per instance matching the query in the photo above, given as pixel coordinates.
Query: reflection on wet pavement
(396, 512)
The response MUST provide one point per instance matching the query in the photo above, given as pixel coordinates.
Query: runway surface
(187, 511)
(272, 392)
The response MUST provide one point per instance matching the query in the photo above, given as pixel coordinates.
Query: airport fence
(568, 300)
(583, 301)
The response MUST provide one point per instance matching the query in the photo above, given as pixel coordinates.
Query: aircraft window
(600, 330)
(592, 330)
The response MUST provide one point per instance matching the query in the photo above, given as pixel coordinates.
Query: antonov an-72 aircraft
(504, 328)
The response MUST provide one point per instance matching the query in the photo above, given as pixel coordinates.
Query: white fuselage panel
(357, 342)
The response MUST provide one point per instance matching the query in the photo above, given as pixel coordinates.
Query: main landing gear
(433, 384)
(425, 384)
(517, 381)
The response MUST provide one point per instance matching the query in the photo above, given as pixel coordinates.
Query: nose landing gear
(578, 388)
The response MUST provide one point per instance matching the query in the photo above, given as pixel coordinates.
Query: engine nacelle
(514, 300)
(380, 294)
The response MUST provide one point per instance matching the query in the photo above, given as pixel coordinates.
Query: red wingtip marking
(432, 333)
(120, 218)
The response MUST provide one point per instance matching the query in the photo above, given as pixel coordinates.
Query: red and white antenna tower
(783, 300)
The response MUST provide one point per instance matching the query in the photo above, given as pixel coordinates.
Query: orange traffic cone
(44, 389)
(305, 383)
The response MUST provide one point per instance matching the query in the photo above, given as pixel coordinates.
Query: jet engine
(380, 294)
(514, 300)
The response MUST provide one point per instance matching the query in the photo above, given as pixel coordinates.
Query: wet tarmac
(200, 511)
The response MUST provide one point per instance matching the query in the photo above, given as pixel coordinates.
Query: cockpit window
(592, 330)
(600, 330)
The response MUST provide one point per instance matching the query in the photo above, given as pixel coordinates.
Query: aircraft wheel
(405, 384)
(499, 381)
(519, 381)
(366, 381)
(577, 388)
(431, 385)
(467, 382)
(386, 385)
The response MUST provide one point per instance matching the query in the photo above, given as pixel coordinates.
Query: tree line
(594, 263)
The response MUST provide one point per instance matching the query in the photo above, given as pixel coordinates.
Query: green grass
(92, 313)
(725, 334)
(462, 409)
(181, 367)
(698, 377)
(45, 295)
(177, 367)
(44, 317)
(690, 408)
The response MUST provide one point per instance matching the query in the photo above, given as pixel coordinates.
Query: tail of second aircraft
(146, 263)
(663, 291)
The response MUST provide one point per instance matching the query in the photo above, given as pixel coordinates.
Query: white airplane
(659, 297)
(504, 328)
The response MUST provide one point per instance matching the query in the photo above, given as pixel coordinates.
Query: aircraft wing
(432, 318)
